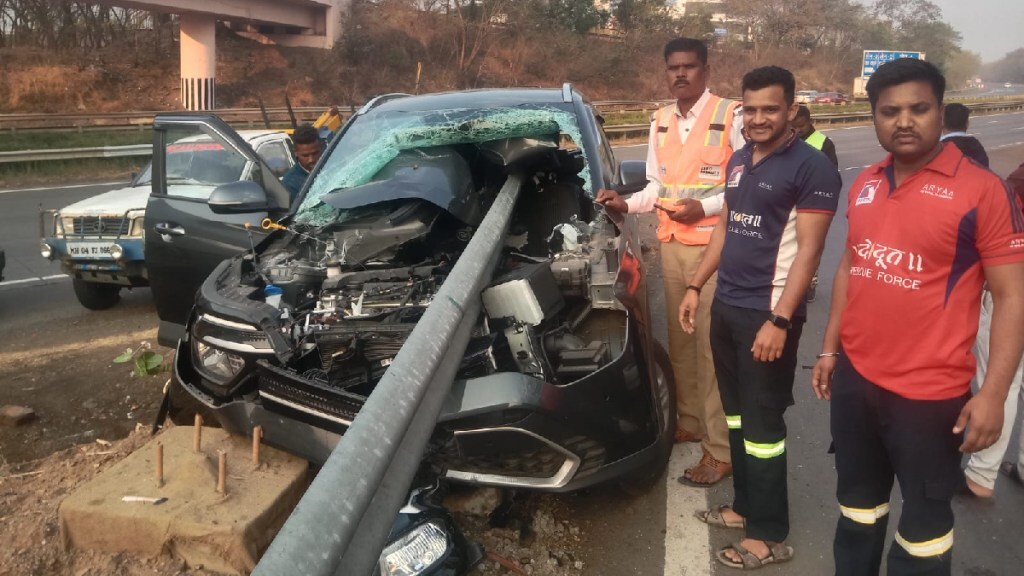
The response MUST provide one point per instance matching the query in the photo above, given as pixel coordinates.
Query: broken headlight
(415, 552)
(216, 364)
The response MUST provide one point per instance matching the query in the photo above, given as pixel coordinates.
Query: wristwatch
(780, 321)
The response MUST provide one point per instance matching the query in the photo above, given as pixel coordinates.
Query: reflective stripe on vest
(816, 139)
(694, 168)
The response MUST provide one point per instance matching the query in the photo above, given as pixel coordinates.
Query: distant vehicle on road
(806, 96)
(1008, 85)
(99, 241)
(831, 98)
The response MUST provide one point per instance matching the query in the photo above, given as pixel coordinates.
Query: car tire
(95, 295)
(642, 480)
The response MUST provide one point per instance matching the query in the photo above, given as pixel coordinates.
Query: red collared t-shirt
(916, 275)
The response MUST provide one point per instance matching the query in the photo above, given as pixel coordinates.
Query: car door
(185, 237)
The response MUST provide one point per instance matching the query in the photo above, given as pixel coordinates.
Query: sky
(991, 28)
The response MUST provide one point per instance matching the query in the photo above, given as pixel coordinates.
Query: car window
(276, 157)
(196, 163)
(373, 140)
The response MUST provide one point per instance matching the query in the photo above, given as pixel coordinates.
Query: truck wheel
(96, 296)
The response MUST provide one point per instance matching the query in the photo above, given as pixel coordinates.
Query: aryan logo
(734, 176)
(867, 193)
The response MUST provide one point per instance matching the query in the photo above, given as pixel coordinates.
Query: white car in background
(806, 96)
(99, 241)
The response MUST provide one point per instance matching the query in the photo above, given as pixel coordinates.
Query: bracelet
(828, 355)
(694, 288)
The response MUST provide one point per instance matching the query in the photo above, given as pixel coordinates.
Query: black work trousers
(755, 396)
(878, 435)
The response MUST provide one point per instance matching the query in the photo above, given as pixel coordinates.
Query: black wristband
(694, 288)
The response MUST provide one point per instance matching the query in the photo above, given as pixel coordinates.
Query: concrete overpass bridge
(309, 23)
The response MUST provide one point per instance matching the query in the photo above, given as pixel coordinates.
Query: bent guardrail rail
(343, 521)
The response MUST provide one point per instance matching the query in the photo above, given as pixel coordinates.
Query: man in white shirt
(690, 144)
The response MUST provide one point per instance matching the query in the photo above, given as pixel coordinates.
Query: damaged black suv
(562, 384)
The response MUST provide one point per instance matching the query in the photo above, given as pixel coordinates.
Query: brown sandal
(715, 518)
(721, 469)
(777, 552)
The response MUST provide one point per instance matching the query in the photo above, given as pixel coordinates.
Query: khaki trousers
(698, 403)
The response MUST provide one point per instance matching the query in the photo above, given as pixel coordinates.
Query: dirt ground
(91, 413)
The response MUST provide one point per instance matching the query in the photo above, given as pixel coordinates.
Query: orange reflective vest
(692, 169)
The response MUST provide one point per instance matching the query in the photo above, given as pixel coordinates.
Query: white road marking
(687, 540)
(1011, 145)
(62, 187)
(36, 281)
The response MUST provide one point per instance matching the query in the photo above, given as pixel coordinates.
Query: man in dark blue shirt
(308, 148)
(780, 196)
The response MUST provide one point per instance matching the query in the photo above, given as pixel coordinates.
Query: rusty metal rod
(222, 471)
(159, 464)
(197, 436)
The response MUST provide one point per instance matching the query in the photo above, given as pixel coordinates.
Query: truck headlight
(46, 250)
(217, 364)
(414, 553)
(116, 251)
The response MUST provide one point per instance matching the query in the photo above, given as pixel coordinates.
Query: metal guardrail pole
(361, 480)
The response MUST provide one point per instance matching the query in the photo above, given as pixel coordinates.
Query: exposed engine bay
(353, 290)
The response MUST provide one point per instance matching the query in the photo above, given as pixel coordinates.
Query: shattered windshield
(376, 139)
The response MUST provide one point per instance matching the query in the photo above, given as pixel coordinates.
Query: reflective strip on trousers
(765, 450)
(734, 422)
(865, 515)
(935, 547)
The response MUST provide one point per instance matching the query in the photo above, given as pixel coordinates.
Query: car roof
(475, 99)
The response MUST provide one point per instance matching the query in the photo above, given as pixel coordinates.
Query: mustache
(680, 83)
(904, 133)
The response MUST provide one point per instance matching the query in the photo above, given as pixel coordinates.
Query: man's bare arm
(983, 414)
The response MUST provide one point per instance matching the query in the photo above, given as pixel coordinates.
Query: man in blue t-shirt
(780, 196)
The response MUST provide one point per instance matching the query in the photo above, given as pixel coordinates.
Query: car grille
(101, 225)
(309, 394)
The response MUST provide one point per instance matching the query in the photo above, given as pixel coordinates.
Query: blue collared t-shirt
(763, 200)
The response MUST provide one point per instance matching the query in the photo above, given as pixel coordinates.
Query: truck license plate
(88, 250)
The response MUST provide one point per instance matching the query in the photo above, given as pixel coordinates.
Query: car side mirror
(632, 176)
(237, 197)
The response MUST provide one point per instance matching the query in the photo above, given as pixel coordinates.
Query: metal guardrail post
(366, 478)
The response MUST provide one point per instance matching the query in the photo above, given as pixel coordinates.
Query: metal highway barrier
(343, 520)
(252, 117)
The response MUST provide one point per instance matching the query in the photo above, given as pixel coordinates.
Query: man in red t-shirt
(927, 229)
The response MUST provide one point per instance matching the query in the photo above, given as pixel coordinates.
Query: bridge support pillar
(198, 61)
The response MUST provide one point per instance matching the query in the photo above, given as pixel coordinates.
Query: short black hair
(954, 117)
(766, 76)
(694, 45)
(901, 71)
(306, 134)
(803, 112)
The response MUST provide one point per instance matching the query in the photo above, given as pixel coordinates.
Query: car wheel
(96, 296)
(642, 480)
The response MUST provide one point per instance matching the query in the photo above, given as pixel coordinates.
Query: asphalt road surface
(653, 533)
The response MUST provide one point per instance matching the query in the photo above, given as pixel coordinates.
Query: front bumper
(504, 429)
(129, 270)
